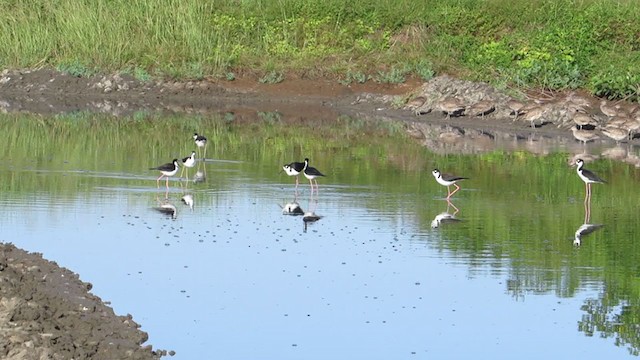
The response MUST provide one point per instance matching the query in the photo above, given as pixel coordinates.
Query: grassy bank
(551, 44)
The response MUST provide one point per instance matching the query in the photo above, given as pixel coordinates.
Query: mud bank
(47, 312)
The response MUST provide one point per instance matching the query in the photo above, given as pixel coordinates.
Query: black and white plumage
(188, 162)
(447, 180)
(294, 169)
(201, 143)
(588, 176)
(311, 173)
(200, 140)
(167, 170)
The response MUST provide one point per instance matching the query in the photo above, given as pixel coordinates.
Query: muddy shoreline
(47, 312)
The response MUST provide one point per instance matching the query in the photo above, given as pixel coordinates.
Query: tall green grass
(551, 44)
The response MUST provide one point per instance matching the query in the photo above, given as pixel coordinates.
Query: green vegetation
(551, 44)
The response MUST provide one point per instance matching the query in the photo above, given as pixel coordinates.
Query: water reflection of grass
(519, 211)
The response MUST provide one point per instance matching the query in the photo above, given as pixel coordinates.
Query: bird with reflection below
(588, 176)
(448, 180)
(167, 170)
(188, 162)
(201, 143)
(294, 169)
(311, 173)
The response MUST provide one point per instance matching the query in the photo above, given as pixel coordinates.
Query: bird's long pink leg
(158, 181)
(454, 191)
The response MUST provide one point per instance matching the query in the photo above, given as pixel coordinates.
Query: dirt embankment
(47, 312)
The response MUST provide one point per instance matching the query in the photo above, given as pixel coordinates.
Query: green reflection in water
(519, 211)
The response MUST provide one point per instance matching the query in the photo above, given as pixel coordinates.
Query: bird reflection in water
(201, 173)
(187, 199)
(292, 208)
(583, 230)
(446, 217)
(586, 228)
(310, 217)
(166, 207)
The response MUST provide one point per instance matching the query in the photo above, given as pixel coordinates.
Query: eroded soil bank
(46, 312)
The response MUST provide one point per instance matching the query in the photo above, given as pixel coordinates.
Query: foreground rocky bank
(47, 312)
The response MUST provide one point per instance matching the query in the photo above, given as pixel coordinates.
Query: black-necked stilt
(311, 173)
(188, 162)
(588, 177)
(201, 143)
(168, 169)
(447, 180)
(293, 169)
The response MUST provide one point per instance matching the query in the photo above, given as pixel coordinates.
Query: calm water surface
(380, 275)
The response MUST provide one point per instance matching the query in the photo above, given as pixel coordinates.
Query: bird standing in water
(294, 169)
(188, 162)
(166, 170)
(311, 173)
(447, 180)
(201, 142)
(588, 176)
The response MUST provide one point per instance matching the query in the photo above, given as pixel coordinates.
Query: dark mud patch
(47, 312)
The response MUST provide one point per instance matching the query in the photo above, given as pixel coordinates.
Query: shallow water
(378, 276)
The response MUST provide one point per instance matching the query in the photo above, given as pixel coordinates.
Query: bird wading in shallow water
(588, 176)
(188, 162)
(311, 173)
(201, 143)
(294, 169)
(166, 170)
(447, 180)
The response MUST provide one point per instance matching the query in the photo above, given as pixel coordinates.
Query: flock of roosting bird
(588, 121)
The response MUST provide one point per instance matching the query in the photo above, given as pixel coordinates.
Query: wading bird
(294, 169)
(447, 180)
(311, 173)
(588, 176)
(166, 170)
